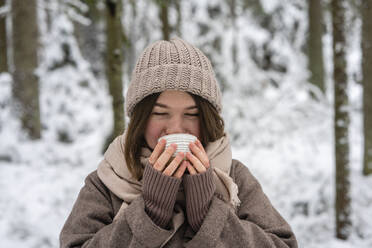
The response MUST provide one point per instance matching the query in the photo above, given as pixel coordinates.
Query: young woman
(146, 195)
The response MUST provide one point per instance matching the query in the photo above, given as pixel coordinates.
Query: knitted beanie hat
(172, 65)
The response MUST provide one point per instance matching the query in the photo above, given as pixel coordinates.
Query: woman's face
(173, 112)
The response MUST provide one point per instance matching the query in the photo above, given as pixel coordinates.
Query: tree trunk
(315, 47)
(367, 84)
(178, 6)
(3, 41)
(48, 14)
(88, 38)
(163, 5)
(234, 46)
(25, 46)
(114, 60)
(341, 123)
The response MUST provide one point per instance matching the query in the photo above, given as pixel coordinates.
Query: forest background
(296, 80)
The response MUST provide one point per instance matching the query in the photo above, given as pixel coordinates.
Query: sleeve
(159, 194)
(91, 223)
(256, 223)
(199, 190)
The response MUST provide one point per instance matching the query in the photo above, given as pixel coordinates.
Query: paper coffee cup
(181, 139)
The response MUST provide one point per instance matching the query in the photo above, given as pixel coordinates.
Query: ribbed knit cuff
(159, 194)
(199, 191)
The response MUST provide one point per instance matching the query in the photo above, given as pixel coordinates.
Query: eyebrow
(165, 106)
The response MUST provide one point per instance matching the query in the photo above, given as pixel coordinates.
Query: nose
(175, 125)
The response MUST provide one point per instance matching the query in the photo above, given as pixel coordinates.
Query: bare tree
(341, 122)
(315, 47)
(25, 46)
(114, 61)
(3, 41)
(163, 14)
(178, 7)
(367, 84)
(89, 37)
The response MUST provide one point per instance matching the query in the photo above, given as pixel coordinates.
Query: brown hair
(211, 129)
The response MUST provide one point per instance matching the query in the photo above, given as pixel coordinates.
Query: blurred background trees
(341, 121)
(163, 6)
(25, 38)
(274, 60)
(366, 9)
(315, 44)
(89, 33)
(3, 39)
(114, 60)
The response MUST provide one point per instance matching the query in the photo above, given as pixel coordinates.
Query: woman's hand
(199, 161)
(159, 160)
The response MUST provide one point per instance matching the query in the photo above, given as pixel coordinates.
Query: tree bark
(367, 84)
(3, 41)
(88, 38)
(25, 46)
(163, 5)
(315, 47)
(178, 6)
(114, 60)
(341, 123)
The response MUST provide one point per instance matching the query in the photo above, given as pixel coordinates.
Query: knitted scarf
(114, 173)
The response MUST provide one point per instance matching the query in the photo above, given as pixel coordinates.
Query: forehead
(174, 98)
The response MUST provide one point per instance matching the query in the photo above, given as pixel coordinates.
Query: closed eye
(158, 113)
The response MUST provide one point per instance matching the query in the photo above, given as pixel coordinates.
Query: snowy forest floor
(40, 180)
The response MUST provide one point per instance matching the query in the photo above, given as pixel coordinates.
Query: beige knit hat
(172, 65)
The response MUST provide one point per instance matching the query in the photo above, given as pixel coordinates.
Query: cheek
(196, 130)
(152, 133)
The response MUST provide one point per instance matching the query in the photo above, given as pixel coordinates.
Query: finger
(181, 169)
(200, 154)
(164, 157)
(157, 151)
(172, 167)
(190, 168)
(196, 163)
(200, 145)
